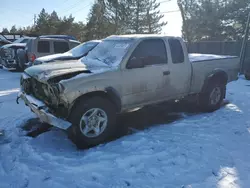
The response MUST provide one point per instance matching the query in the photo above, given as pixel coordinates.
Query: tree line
(214, 19)
(106, 17)
(202, 20)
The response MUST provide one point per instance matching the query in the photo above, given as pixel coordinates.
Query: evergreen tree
(5, 31)
(53, 23)
(214, 19)
(13, 29)
(145, 17)
(65, 25)
(153, 18)
(98, 25)
(79, 31)
(42, 23)
(117, 12)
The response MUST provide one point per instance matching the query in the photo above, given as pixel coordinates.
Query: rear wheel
(21, 59)
(247, 76)
(212, 98)
(93, 122)
(1, 66)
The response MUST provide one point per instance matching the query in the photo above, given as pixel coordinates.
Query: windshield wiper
(98, 59)
(102, 60)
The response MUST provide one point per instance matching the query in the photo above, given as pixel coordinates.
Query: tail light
(31, 57)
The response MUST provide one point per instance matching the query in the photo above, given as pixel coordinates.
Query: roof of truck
(136, 36)
(56, 39)
(68, 37)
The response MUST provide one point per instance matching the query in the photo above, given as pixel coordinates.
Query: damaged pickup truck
(120, 74)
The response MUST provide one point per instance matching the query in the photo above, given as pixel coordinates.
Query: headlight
(25, 83)
(57, 89)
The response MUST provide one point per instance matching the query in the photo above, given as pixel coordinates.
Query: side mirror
(134, 63)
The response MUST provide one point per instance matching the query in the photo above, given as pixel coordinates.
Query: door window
(151, 52)
(61, 47)
(43, 47)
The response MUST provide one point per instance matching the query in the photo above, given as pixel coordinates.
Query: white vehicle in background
(74, 54)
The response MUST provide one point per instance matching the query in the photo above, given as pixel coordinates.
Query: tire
(21, 59)
(1, 66)
(247, 76)
(85, 107)
(212, 98)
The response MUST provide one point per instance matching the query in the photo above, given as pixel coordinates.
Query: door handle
(166, 73)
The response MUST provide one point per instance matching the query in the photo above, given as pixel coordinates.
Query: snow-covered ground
(197, 150)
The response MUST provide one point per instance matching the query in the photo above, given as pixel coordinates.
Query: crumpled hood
(14, 45)
(45, 72)
(54, 57)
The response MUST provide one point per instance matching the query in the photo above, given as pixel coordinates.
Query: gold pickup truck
(119, 74)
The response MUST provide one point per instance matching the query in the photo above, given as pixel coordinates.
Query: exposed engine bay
(48, 91)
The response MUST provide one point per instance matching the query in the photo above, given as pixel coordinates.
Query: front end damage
(44, 99)
(43, 112)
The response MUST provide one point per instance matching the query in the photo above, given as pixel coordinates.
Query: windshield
(82, 49)
(110, 52)
(21, 40)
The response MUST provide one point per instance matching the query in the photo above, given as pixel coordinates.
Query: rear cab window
(151, 51)
(43, 46)
(74, 44)
(176, 50)
(60, 46)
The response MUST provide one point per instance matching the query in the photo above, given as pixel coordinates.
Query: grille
(33, 87)
(39, 89)
(7, 53)
(26, 85)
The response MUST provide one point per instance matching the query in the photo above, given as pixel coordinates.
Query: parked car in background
(119, 74)
(4, 41)
(247, 68)
(247, 73)
(8, 52)
(43, 46)
(73, 54)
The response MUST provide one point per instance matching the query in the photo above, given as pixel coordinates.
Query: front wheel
(211, 100)
(93, 122)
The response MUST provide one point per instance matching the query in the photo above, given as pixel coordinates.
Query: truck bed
(209, 63)
(195, 57)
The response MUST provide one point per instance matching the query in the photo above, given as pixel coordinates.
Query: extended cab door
(146, 74)
(180, 68)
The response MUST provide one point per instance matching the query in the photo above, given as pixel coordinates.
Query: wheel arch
(109, 93)
(217, 75)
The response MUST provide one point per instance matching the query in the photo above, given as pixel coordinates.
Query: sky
(22, 13)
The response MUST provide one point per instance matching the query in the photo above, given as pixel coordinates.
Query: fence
(220, 48)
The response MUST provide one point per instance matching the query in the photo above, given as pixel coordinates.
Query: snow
(193, 57)
(197, 150)
(14, 44)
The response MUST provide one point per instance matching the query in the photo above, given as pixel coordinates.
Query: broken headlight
(57, 89)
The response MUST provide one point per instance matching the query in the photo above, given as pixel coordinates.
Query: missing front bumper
(41, 110)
